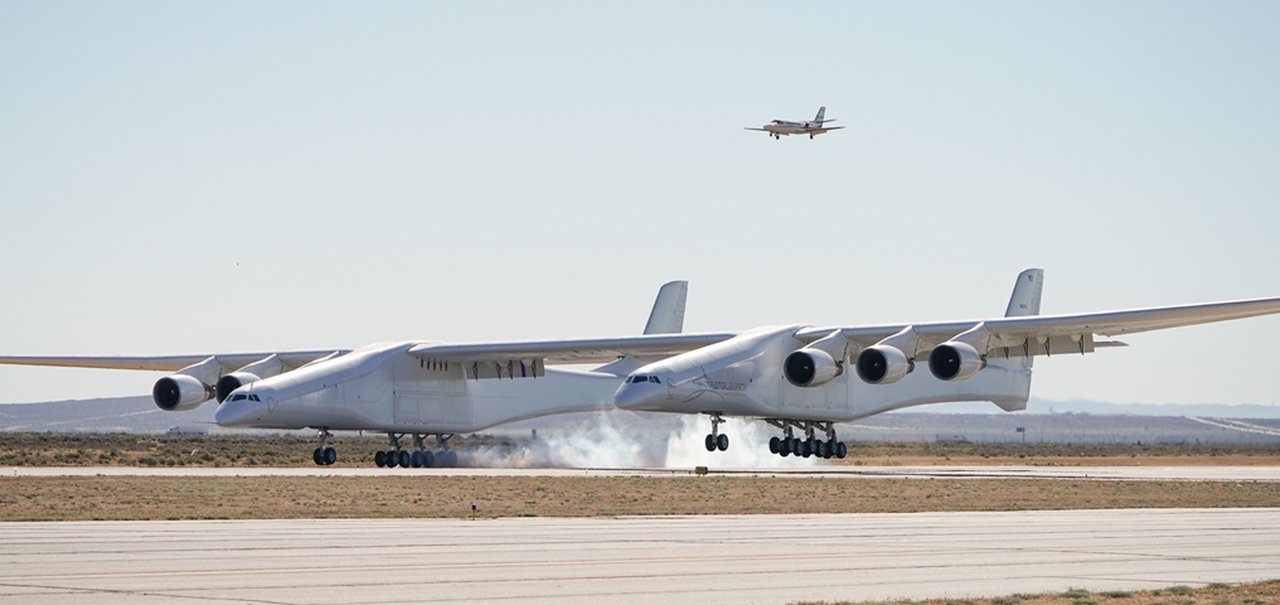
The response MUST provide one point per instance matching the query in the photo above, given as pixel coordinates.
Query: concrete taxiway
(714, 559)
(1127, 473)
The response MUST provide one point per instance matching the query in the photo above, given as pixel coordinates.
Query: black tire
(841, 450)
(404, 459)
(806, 448)
(330, 456)
(452, 458)
(710, 442)
(428, 460)
(784, 447)
(722, 442)
(315, 456)
(380, 459)
(415, 459)
(775, 445)
(795, 446)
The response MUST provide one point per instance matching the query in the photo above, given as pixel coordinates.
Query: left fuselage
(382, 388)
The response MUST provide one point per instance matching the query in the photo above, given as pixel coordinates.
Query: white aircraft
(794, 378)
(416, 388)
(818, 125)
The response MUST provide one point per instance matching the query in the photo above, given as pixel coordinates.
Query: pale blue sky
(200, 177)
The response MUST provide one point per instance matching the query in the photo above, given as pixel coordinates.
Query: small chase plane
(814, 127)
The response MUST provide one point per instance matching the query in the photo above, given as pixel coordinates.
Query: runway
(1128, 473)
(717, 559)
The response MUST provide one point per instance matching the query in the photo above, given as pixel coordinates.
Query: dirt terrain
(82, 449)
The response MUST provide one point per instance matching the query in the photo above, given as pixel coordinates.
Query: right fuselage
(743, 376)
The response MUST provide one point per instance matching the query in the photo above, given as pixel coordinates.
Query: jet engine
(883, 364)
(955, 360)
(231, 382)
(180, 392)
(810, 367)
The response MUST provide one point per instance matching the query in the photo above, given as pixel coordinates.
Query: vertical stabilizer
(1024, 301)
(822, 113)
(667, 316)
(1026, 294)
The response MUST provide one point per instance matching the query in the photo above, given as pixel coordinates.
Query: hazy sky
(183, 177)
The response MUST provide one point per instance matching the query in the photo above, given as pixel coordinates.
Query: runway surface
(716, 559)
(1131, 473)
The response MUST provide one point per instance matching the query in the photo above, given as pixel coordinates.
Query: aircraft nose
(637, 396)
(239, 411)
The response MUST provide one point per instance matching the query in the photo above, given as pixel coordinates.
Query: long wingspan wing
(162, 363)
(582, 350)
(1046, 330)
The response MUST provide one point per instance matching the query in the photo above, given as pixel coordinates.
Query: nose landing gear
(716, 440)
(324, 455)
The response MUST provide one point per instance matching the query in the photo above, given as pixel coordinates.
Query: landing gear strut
(788, 444)
(324, 455)
(716, 440)
(420, 457)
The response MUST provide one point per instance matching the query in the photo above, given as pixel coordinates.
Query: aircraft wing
(164, 363)
(754, 128)
(1046, 334)
(581, 350)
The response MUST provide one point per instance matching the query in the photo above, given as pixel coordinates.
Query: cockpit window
(654, 379)
(643, 378)
(240, 397)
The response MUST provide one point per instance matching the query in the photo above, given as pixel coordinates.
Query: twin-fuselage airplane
(780, 128)
(793, 377)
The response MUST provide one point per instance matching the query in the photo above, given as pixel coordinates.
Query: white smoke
(601, 443)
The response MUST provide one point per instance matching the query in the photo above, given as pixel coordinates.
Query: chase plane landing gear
(716, 440)
(324, 455)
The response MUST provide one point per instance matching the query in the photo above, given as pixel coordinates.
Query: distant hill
(1080, 406)
(114, 415)
(1044, 421)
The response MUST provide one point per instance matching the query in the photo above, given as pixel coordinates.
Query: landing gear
(324, 455)
(420, 457)
(788, 444)
(716, 440)
(392, 457)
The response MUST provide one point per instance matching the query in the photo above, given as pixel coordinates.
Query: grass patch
(405, 496)
(1258, 593)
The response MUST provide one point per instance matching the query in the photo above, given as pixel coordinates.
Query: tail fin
(1017, 383)
(822, 112)
(667, 316)
(1026, 294)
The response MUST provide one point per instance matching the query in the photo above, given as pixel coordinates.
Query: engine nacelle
(955, 361)
(180, 392)
(231, 382)
(810, 368)
(883, 364)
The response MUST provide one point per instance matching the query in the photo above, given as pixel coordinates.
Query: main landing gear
(717, 440)
(420, 457)
(788, 444)
(324, 455)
